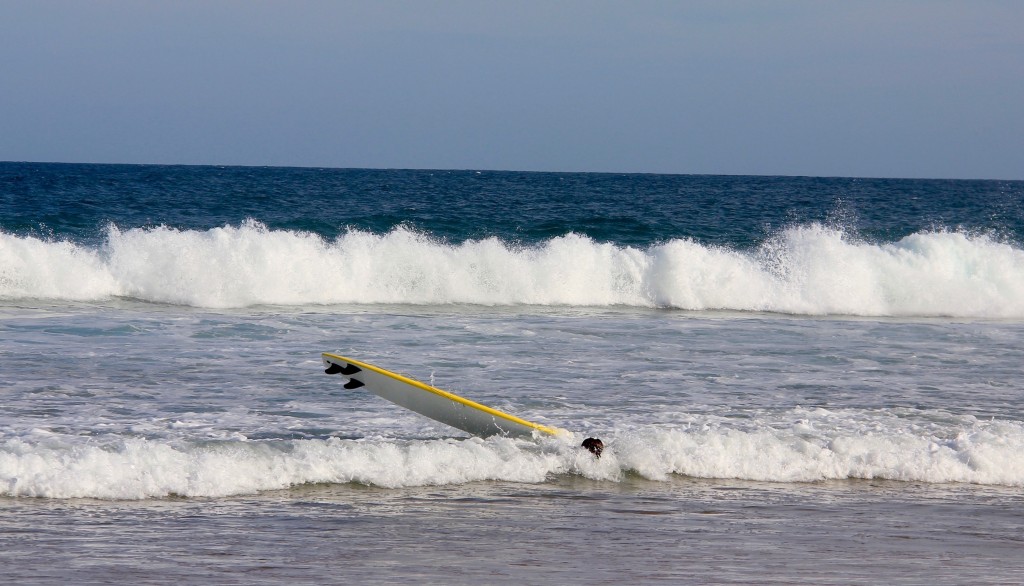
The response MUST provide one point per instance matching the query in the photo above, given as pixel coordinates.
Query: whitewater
(47, 465)
(807, 270)
(133, 400)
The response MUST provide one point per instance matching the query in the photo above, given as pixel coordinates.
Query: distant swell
(809, 270)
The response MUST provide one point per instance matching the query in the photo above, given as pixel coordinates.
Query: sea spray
(804, 270)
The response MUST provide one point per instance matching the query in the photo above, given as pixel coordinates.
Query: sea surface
(797, 380)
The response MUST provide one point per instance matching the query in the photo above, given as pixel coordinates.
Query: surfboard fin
(347, 370)
(354, 384)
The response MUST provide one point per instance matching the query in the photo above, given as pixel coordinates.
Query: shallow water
(570, 530)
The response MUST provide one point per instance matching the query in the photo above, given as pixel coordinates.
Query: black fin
(347, 370)
(353, 384)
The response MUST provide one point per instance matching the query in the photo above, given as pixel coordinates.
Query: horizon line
(485, 170)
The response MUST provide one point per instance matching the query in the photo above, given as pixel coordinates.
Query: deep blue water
(79, 201)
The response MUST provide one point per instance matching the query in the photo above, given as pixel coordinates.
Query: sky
(929, 88)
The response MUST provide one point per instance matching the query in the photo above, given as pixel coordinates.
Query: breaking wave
(807, 270)
(817, 445)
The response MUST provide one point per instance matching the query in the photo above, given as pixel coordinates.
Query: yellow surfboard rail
(328, 356)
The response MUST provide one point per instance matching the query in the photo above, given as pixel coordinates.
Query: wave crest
(809, 270)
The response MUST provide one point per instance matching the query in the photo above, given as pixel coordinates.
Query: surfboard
(439, 405)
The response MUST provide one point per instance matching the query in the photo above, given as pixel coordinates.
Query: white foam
(990, 453)
(33, 268)
(803, 270)
(139, 468)
(816, 445)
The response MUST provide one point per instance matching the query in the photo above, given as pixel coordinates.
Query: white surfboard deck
(448, 408)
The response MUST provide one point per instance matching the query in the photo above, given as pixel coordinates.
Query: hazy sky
(893, 88)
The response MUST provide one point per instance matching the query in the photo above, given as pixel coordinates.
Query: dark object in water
(595, 446)
(347, 370)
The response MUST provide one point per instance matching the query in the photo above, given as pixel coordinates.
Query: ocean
(797, 380)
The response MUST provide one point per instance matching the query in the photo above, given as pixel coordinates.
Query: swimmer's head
(595, 446)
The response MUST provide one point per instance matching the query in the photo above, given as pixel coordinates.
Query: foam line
(805, 270)
(816, 445)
